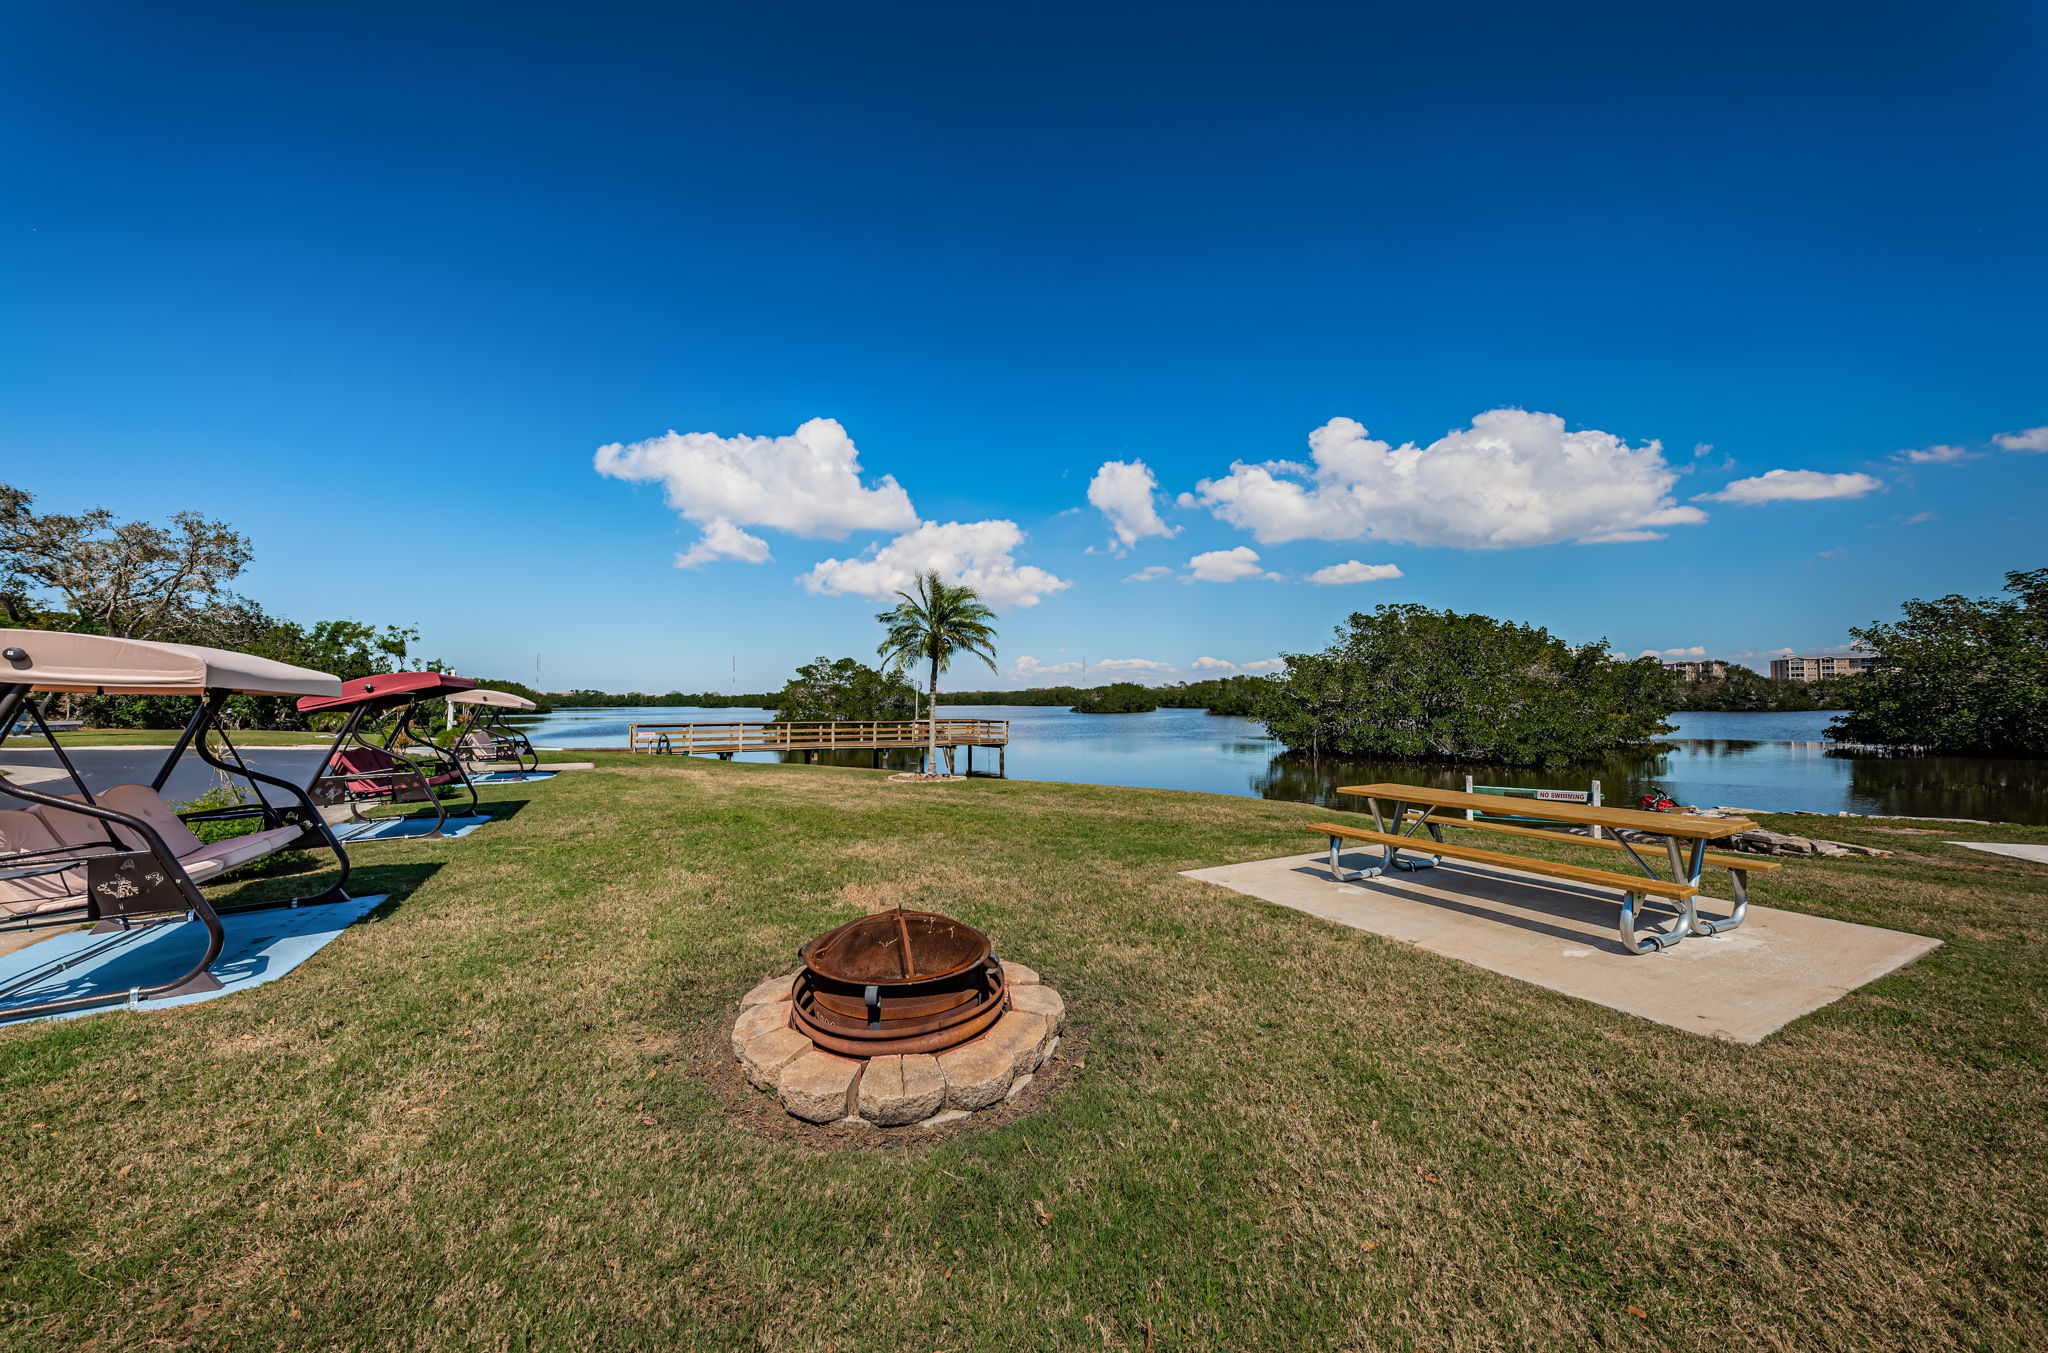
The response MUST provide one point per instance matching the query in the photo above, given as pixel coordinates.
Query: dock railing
(727, 739)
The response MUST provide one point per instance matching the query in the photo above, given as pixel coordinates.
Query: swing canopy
(492, 699)
(363, 770)
(100, 664)
(373, 695)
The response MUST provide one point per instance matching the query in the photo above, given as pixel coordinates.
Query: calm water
(1764, 761)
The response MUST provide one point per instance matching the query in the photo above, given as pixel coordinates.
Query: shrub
(1408, 683)
(1957, 675)
(1119, 697)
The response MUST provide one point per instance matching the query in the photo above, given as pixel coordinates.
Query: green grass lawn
(495, 1116)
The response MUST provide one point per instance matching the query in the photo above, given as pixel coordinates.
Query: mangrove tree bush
(1411, 684)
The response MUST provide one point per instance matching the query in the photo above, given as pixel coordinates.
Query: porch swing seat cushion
(42, 828)
(238, 850)
(22, 830)
(143, 802)
(372, 761)
(200, 859)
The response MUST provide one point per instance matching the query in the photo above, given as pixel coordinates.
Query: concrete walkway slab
(2035, 854)
(1742, 987)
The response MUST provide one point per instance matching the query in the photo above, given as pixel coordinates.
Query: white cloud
(1149, 573)
(1226, 566)
(1028, 667)
(1351, 571)
(1149, 670)
(1266, 665)
(1702, 449)
(1513, 478)
(1935, 455)
(1917, 518)
(977, 553)
(1793, 486)
(1750, 653)
(723, 540)
(1696, 651)
(807, 483)
(1621, 537)
(1123, 491)
(2033, 439)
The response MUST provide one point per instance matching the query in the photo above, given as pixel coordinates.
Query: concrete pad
(2036, 854)
(1742, 986)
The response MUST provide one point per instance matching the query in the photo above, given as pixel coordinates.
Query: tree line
(1404, 682)
(582, 698)
(92, 573)
(1954, 674)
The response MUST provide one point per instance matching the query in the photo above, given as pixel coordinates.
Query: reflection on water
(1764, 761)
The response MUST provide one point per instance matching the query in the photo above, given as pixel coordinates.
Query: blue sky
(378, 283)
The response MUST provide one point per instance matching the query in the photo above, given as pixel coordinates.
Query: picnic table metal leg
(1650, 942)
(1393, 858)
(1688, 871)
(1343, 875)
(1721, 925)
(1371, 871)
(1436, 833)
(1682, 871)
(1390, 856)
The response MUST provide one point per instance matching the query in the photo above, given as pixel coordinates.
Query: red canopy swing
(363, 770)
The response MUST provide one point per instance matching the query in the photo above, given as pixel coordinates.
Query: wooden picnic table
(1682, 825)
(1683, 836)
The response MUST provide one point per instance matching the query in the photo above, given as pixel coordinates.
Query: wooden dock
(726, 740)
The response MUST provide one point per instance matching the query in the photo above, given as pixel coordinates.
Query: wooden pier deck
(725, 740)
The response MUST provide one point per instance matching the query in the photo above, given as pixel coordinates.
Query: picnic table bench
(1416, 808)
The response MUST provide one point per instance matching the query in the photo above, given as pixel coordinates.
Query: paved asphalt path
(38, 767)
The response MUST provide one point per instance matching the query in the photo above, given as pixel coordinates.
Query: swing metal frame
(407, 766)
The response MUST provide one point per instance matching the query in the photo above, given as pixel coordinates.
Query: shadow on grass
(497, 810)
(396, 881)
(501, 810)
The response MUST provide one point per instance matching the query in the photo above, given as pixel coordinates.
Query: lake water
(1779, 762)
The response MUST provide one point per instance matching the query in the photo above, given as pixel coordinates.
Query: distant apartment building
(1697, 669)
(1814, 667)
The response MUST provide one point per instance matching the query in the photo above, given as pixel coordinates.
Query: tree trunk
(931, 757)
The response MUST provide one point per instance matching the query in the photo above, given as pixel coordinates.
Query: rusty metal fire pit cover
(898, 982)
(899, 946)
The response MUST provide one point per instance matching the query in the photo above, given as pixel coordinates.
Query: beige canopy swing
(486, 737)
(121, 856)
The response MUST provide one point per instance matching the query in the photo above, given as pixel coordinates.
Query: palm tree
(935, 624)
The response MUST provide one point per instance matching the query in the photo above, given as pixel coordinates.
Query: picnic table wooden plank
(1605, 878)
(1754, 863)
(1628, 819)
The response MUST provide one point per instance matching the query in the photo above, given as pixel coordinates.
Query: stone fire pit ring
(928, 1089)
